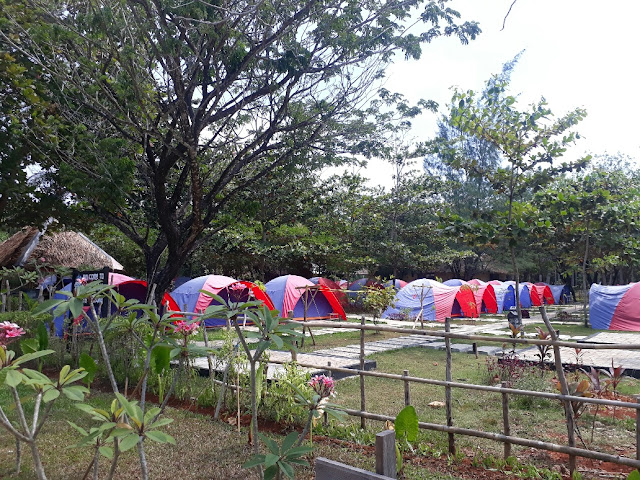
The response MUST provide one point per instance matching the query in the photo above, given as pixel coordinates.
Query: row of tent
(286, 293)
(432, 300)
(321, 297)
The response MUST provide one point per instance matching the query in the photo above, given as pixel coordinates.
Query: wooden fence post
(362, 395)
(386, 453)
(637, 430)
(564, 388)
(505, 420)
(447, 389)
(407, 390)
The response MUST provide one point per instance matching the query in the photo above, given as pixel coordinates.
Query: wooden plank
(386, 453)
(505, 419)
(329, 470)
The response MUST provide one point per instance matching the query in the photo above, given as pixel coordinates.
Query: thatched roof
(12, 249)
(67, 249)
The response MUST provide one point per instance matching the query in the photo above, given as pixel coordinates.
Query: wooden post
(362, 396)
(407, 391)
(564, 388)
(447, 390)
(294, 352)
(386, 453)
(637, 430)
(325, 415)
(474, 349)
(8, 296)
(505, 420)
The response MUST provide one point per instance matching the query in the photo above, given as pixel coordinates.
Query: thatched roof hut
(67, 249)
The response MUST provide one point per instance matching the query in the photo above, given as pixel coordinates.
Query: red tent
(544, 293)
(333, 286)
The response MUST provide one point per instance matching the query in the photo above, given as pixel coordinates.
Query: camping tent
(506, 293)
(188, 294)
(615, 307)
(534, 294)
(492, 295)
(454, 282)
(331, 285)
(434, 300)
(561, 294)
(478, 287)
(288, 293)
(525, 296)
(125, 286)
(397, 284)
(544, 292)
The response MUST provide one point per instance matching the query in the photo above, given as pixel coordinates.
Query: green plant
(615, 375)
(89, 365)
(13, 374)
(281, 458)
(406, 427)
(286, 383)
(377, 298)
(544, 351)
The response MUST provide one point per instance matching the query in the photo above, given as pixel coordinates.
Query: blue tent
(525, 296)
(288, 293)
(561, 293)
(454, 282)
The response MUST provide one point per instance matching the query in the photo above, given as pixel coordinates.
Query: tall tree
(528, 141)
(172, 109)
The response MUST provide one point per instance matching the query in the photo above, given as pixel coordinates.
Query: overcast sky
(578, 53)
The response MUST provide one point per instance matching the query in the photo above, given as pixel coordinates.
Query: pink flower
(322, 385)
(237, 287)
(185, 328)
(9, 332)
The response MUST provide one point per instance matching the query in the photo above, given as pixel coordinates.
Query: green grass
(531, 418)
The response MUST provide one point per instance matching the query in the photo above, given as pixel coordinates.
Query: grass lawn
(205, 449)
(538, 419)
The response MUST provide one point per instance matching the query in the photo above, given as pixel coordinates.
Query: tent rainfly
(615, 307)
(290, 293)
(434, 300)
(331, 285)
(189, 295)
(492, 295)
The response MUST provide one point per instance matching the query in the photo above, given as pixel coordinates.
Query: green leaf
(31, 356)
(287, 469)
(129, 441)
(106, 452)
(46, 306)
(50, 395)
(75, 392)
(254, 461)
(85, 361)
(635, 475)
(42, 335)
(271, 444)
(160, 437)
(82, 431)
(271, 472)
(160, 423)
(271, 459)
(289, 441)
(160, 359)
(76, 307)
(29, 345)
(13, 378)
(406, 423)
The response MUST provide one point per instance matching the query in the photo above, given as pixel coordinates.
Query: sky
(578, 53)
